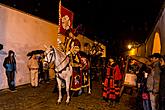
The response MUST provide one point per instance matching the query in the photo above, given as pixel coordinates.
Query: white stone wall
(22, 33)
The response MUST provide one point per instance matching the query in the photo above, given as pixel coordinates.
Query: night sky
(113, 22)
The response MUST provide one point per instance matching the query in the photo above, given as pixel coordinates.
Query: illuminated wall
(141, 50)
(156, 44)
(22, 33)
(133, 51)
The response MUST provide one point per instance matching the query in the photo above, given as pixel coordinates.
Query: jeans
(146, 105)
(10, 79)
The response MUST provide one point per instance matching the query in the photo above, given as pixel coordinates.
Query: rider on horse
(72, 47)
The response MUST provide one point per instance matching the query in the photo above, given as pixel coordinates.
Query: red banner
(66, 19)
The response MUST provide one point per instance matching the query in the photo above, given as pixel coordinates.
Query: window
(156, 44)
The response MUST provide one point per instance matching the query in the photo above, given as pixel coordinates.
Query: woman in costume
(111, 91)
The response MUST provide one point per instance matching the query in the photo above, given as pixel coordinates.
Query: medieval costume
(76, 81)
(72, 48)
(85, 72)
(111, 90)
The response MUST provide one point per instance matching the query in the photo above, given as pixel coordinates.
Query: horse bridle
(51, 57)
(54, 59)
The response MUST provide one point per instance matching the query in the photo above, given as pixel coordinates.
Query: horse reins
(55, 58)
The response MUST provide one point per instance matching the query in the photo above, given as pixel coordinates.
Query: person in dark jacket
(153, 80)
(10, 66)
(162, 85)
(40, 70)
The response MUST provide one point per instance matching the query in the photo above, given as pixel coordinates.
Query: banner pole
(59, 23)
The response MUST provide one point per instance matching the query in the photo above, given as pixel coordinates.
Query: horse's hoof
(89, 93)
(67, 103)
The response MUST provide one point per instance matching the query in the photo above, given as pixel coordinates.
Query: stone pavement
(42, 98)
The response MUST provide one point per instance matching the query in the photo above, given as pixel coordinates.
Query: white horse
(62, 68)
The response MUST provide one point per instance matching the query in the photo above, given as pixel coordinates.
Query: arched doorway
(156, 44)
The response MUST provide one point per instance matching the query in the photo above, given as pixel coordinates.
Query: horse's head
(49, 55)
(56, 57)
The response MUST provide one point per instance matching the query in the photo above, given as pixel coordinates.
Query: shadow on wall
(3, 53)
(1, 46)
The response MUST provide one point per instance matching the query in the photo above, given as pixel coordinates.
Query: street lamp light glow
(129, 46)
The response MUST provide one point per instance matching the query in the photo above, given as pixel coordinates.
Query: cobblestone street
(42, 98)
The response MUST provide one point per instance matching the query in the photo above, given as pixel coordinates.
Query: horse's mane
(59, 53)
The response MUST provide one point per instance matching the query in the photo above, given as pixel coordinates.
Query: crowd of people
(150, 78)
(39, 70)
(150, 81)
(150, 89)
(149, 85)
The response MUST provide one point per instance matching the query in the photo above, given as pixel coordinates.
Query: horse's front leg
(67, 89)
(59, 90)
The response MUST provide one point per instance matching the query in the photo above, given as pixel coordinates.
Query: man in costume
(72, 47)
(85, 72)
(113, 77)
